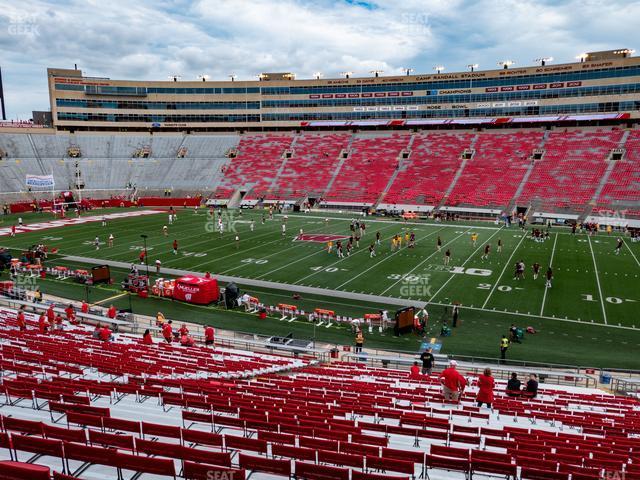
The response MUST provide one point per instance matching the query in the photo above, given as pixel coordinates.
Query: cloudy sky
(151, 39)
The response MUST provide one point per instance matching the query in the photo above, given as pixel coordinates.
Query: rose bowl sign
(198, 290)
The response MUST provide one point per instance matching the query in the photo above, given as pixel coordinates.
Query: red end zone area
(320, 237)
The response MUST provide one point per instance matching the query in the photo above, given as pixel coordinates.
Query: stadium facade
(603, 87)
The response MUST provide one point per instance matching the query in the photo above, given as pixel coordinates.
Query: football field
(591, 306)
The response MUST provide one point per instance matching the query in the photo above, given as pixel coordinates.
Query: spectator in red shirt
(105, 334)
(453, 382)
(486, 384)
(70, 313)
(415, 371)
(51, 315)
(186, 341)
(85, 307)
(209, 335)
(111, 313)
(167, 331)
(146, 338)
(22, 324)
(42, 323)
(183, 330)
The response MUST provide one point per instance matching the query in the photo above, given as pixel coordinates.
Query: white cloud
(152, 39)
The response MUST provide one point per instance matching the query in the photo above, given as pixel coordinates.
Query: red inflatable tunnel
(198, 290)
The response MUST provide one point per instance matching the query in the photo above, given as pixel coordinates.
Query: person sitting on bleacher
(112, 312)
(146, 338)
(415, 371)
(532, 386)
(105, 334)
(513, 385)
(186, 340)
(183, 330)
(58, 322)
(209, 335)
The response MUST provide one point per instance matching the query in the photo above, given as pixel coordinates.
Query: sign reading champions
(40, 181)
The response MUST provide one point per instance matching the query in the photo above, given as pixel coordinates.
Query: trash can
(605, 378)
(334, 352)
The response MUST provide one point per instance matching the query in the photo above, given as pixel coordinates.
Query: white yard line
(503, 270)
(248, 282)
(632, 254)
(363, 250)
(422, 262)
(387, 258)
(463, 264)
(595, 268)
(544, 296)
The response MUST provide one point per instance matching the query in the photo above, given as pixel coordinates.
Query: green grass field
(588, 317)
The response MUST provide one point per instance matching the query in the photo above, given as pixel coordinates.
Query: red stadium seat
(310, 471)
(260, 464)
(23, 471)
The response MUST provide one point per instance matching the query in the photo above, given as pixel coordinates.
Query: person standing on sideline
(549, 277)
(486, 384)
(453, 383)
(454, 316)
(359, 341)
(427, 361)
(447, 257)
(110, 241)
(175, 247)
(504, 346)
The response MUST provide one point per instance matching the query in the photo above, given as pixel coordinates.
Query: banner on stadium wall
(40, 181)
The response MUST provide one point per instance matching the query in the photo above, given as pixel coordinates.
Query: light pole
(472, 66)
(506, 63)
(543, 60)
(438, 69)
(407, 70)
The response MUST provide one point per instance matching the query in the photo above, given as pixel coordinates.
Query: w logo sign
(187, 297)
